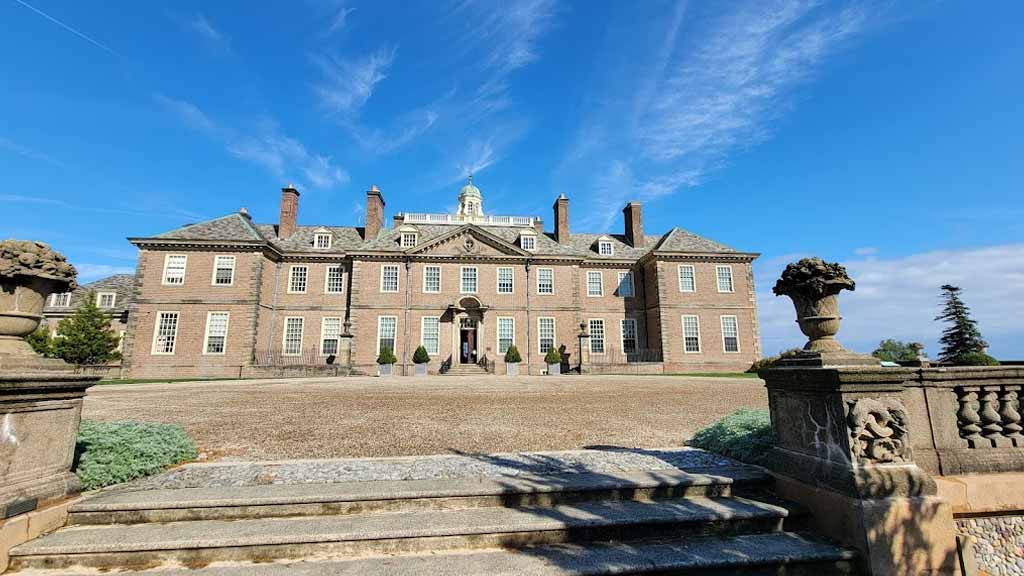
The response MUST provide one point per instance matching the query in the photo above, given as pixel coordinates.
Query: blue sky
(883, 135)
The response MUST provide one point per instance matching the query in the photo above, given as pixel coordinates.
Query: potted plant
(386, 362)
(29, 273)
(814, 286)
(420, 358)
(554, 361)
(512, 360)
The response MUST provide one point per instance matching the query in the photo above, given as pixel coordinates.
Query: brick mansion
(230, 297)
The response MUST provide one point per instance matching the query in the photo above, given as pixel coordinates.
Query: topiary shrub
(975, 359)
(744, 435)
(114, 452)
(387, 356)
(420, 356)
(553, 357)
(512, 355)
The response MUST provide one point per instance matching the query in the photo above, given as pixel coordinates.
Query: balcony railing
(423, 218)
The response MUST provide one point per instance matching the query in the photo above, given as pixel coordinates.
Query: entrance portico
(467, 317)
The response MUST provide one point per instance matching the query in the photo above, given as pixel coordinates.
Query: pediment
(468, 240)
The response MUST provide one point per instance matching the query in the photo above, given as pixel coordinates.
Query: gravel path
(373, 417)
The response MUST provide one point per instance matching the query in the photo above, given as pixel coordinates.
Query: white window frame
(216, 266)
(512, 280)
(184, 268)
(497, 332)
(632, 287)
(700, 346)
(320, 236)
(540, 334)
(408, 235)
(528, 242)
(552, 292)
(462, 279)
(60, 299)
(156, 333)
(327, 279)
(718, 279)
(206, 335)
(622, 334)
(736, 326)
(604, 336)
(394, 338)
(693, 277)
(602, 244)
(120, 340)
(291, 278)
(323, 335)
(600, 276)
(99, 299)
(426, 287)
(423, 335)
(398, 278)
(284, 336)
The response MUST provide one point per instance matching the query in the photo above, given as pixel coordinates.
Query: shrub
(420, 356)
(771, 361)
(975, 359)
(553, 357)
(85, 336)
(41, 342)
(895, 351)
(387, 356)
(512, 355)
(744, 435)
(115, 452)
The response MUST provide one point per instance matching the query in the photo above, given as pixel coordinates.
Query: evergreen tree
(41, 342)
(896, 351)
(85, 337)
(961, 339)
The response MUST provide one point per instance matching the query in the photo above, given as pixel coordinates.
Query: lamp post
(582, 336)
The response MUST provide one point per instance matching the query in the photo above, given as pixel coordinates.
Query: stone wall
(998, 543)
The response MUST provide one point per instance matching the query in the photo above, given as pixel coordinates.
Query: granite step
(750, 555)
(200, 543)
(284, 500)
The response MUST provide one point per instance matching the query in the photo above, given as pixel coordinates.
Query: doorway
(468, 341)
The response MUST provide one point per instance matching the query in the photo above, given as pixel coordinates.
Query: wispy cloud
(188, 113)
(201, 26)
(96, 209)
(25, 151)
(78, 33)
(347, 83)
(337, 12)
(507, 35)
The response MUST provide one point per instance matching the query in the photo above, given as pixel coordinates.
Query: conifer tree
(85, 337)
(961, 339)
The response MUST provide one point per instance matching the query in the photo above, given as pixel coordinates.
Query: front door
(467, 341)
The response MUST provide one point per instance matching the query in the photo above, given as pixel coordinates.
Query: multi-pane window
(545, 281)
(505, 281)
(216, 333)
(468, 280)
(545, 334)
(293, 336)
(297, 277)
(629, 336)
(387, 328)
(335, 283)
(322, 241)
(687, 278)
(730, 334)
(165, 333)
(597, 336)
(528, 242)
(432, 279)
(691, 334)
(62, 300)
(626, 284)
(330, 334)
(605, 248)
(223, 270)
(174, 268)
(389, 278)
(595, 284)
(724, 278)
(105, 299)
(430, 335)
(506, 334)
(408, 239)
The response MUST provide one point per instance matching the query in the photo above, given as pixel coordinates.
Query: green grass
(160, 380)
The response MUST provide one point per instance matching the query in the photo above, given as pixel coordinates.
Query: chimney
(634, 224)
(289, 211)
(374, 213)
(562, 219)
(538, 225)
(397, 220)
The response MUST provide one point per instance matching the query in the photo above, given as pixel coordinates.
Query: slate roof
(344, 238)
(234, 226)
(121, 284)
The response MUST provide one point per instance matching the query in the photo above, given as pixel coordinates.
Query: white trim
(206, 335)
(700, 345)
(284, 335)
(184, 269)
(554, 333)
(62, 295)
(721, 321)
(523, 237)
(601, 275)
(213, 276)
(327, 278)
(156, 332)
(552, 293)
(323, 326)
(600, 246)
(497, 334)
(618, 285)
(398, 278)
(604, 336)
(622, 334)
(693, 277)
(403, 235)
(291, 277)
(395, 347)
(497, 279)
(99, 299)
(316, 240)
(732, 279)
(425, 267)
(462, 282)
(423, 332)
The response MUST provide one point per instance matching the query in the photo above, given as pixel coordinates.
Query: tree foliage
(512, 355)
(85, 337)
(420, 356)
(386, 356)
(961, 337)
(41, 342)
(553, 356)
(896, 351)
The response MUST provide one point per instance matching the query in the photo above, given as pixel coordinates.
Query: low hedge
(744, 435)
(114, 452)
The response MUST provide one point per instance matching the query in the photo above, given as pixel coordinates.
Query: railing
(615, 355)
(989, 416)
(279, 358)
(422, 218)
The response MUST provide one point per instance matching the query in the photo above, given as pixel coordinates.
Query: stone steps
(466, 370)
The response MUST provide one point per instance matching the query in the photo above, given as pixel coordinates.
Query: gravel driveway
(363, 416)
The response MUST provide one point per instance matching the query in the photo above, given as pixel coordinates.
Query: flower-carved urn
(814, 286)
(29, 273)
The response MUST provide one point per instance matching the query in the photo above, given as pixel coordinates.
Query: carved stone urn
(814, 287)
(29, 273)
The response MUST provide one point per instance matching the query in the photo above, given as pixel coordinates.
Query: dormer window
(408, 239)
(322, 240)
(605, 248)
(62, 300)
(105, 299)
(528, 241)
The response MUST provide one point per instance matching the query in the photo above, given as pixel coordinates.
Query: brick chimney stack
(562, 219)
(289, 211)
(634, 224)
(374, 212)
